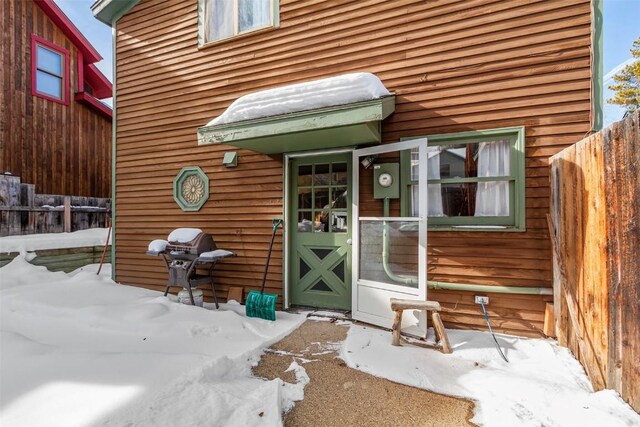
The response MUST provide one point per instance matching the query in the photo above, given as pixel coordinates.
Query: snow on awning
(334, 112)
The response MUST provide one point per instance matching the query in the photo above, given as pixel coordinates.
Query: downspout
(597, 84)
(413, 281)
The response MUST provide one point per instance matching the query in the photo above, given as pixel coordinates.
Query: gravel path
(340, 396)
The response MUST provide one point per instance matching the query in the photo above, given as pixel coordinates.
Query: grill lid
(183, 235)
(189, 241)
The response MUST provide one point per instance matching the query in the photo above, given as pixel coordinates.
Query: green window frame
(515, 221)
(232, 24)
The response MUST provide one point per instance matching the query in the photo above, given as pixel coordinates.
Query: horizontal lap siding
(61, 149)
(454, 66)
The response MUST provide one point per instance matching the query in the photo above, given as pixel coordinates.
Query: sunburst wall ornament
(191, 188)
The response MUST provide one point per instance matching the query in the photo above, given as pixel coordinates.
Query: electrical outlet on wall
(482, 300)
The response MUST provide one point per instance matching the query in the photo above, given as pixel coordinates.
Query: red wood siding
(62, 149)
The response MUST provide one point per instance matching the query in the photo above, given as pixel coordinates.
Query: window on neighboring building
(50, 69)
(475, 180)
(222, 19)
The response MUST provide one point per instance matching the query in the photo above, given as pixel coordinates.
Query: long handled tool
(259, 304)
(106, 244)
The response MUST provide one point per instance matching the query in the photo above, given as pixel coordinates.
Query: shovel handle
(276, 223)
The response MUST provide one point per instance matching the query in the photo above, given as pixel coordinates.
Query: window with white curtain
(222, 19)
(475, 180)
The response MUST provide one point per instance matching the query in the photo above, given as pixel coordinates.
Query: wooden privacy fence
(595, 230)
(24, 212)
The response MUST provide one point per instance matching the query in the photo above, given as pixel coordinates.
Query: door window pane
(339, 223)
(339, 197)
(321, 176)
(389, 252)
(305, 175)
(305, 224)
(322, 198)
(321, 221)
(304, 198)
(339, 174)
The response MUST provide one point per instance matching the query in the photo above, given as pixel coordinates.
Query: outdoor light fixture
(230, 159)
(369, 160)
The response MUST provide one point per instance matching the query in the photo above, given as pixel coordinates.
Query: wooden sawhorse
(399, 305)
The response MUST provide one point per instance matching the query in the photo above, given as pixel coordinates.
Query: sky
(98, 34)
(621, 28)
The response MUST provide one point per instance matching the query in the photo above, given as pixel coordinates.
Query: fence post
(67, 214)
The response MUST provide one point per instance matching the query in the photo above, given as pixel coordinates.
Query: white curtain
(492, 198)
(434, 191)
(218, 19)
(253, 14)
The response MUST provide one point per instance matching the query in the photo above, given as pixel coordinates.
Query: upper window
(49, 70)
(222, 19)
(475, 180)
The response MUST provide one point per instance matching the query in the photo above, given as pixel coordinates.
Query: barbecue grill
(184, 250)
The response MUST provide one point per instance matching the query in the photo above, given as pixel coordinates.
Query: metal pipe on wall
(413, 281)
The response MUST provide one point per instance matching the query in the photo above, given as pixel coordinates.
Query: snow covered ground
(79, 350)
(35, 242)
(542, 385)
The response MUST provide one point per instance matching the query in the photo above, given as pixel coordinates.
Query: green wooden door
(319, 230)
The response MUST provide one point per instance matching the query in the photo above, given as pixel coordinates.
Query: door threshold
(321, 312)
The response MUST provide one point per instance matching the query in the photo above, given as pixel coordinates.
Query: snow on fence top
(38, 242)
(329, 92)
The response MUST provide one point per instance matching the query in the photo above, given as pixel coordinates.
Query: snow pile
(80, 350)
(105, 271)
(329, 92)
(218, 253)
(183, 235)
(36, 242)
(292, 393)
(157, 245)
(543, 385)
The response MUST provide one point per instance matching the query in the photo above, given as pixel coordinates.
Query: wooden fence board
(621, 174)
(22, 211)
(595, 206)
